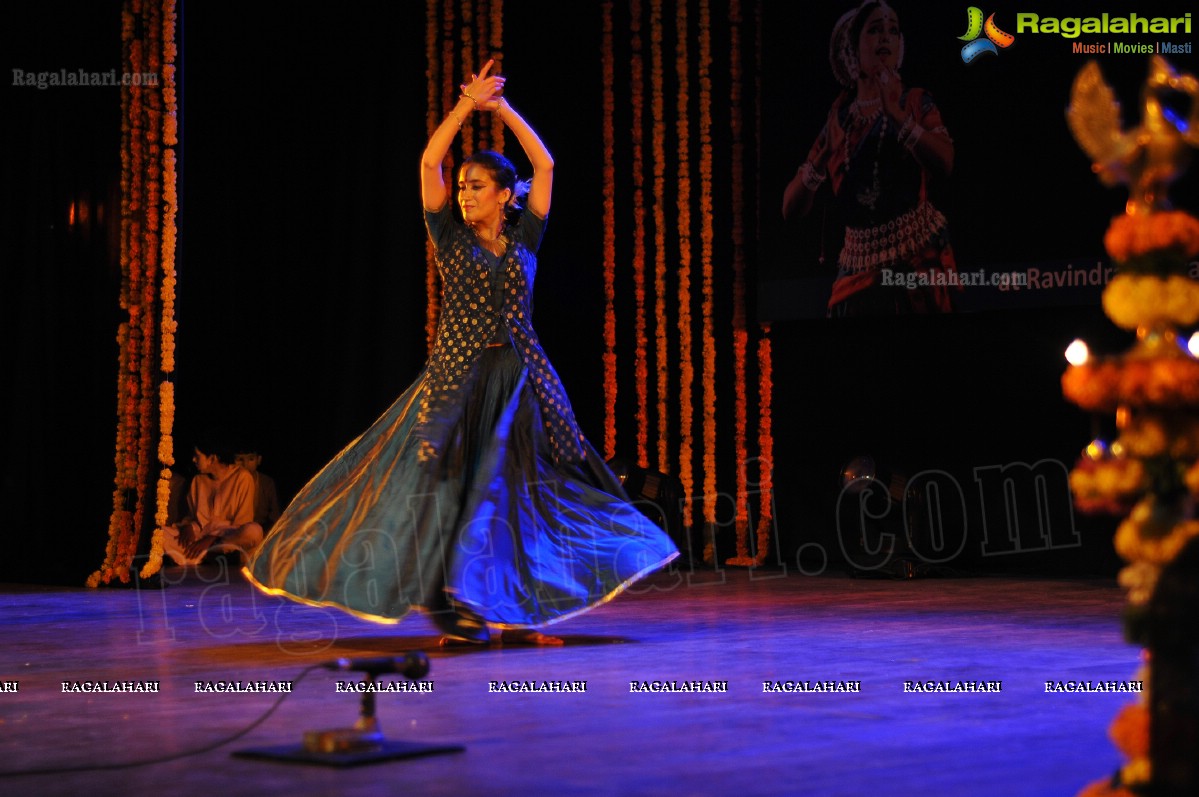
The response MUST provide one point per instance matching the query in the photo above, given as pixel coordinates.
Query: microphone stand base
(346, 747)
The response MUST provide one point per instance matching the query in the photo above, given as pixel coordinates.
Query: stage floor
(608, 740)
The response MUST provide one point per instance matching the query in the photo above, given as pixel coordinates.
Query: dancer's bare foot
(529, 636)
(451, 641)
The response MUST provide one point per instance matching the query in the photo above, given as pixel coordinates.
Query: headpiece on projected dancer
(843, 53)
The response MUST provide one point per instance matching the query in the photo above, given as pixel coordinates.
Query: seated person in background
(220, 506)
(266, 498)
(177, 501)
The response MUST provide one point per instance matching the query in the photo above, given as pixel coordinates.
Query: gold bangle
(472, 99)
(457, 118)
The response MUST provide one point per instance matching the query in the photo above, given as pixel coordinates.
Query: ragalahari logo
(975, 27)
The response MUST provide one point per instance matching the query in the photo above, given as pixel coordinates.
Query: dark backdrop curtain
(301, 261)
(58, 308)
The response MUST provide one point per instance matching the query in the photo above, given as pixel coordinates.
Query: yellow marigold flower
(1136, 771)
(1134, 545)
(1137, 236)
(1129, 731)
(1133, 301)
(1145, 437)
(1192, 478)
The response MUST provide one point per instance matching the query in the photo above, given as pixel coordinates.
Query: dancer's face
(480, 197)
(878, 46)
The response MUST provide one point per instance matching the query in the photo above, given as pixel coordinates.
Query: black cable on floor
(58, 770)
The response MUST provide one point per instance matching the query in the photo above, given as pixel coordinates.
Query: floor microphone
(413, 666)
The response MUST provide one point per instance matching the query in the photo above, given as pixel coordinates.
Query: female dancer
(882, 145)
(474, 497)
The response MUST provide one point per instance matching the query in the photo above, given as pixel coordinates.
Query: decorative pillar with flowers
(146, 341)
(1151, 469)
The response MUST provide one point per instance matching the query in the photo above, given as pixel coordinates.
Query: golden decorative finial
(1148, 157)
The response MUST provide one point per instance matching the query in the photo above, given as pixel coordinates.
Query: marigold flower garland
(446, 85)
(168, 325)
(432, 120)
(1135, 300)
(1153, 242)
(608, 67)
(740, 334)
(481, 21)
(640, 341)
(148, 212)
(765, 359)
(466, 33)
(765, 443)
(496, 39)
(661, 323)
(432, 61)
(696, 319)
(1154, 391)
(149, 376)
(1107, 484)
(708, 339)
(687, 377)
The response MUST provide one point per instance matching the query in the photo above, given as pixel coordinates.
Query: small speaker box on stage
(658, 496)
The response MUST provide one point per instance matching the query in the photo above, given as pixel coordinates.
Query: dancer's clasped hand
(486, 91)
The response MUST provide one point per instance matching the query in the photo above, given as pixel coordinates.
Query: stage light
(1077, 353)
(1193, 344)
(1096, 450)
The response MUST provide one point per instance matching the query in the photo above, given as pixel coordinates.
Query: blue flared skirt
(492, 528)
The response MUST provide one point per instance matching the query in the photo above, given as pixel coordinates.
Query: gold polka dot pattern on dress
(467, 324)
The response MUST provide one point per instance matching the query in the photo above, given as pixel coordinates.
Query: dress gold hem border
(383, 620)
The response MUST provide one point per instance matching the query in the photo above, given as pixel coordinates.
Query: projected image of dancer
(475, 497)
(881, 148)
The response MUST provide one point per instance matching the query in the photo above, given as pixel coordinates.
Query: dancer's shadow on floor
(432, 645)
(306, 653)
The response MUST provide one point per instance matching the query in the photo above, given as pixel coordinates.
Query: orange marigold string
(432, 119)
(661, 323)
(168, 325)
(482, 20)
(150, 343)
(148, 212)
(119, 520)
(432, 75)
(640, 342)
(608, 68)
(447, 84)
(708, 341)
(766, 387)
(683, 134)
(765, 445)
(466, 32)
(449, 77)
(118, 564)
(143, 341)
(740, 334)
(497, 47)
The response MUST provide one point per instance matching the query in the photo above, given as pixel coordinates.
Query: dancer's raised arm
(483, 92)
(543, 163)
